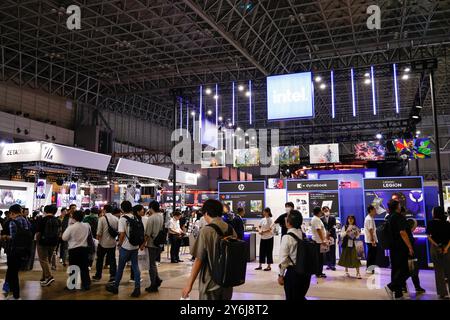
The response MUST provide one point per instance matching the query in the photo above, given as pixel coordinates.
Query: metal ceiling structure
(129, 54)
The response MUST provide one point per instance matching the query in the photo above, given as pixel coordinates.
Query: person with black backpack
(47, 235)
(131, 237)
(295, 284)
(107, 232)
(220, 258)
(155, 236)
(20, 237)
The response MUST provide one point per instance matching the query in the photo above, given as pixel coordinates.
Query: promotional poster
(213, 159)
(10, 196)
(412, 200)
(305, 202)
(285, 156)
(252, 203)
(370, 151)
(413, 148)
(274, 183)
(324, 153)
(246, 157)
(40, 188)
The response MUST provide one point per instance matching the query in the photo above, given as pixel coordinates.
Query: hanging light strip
(181, 114)
(250, 100)
(333, 111)
(352, 72)
(216, 97)
(233, 103)
(397, 104)
(374, 102)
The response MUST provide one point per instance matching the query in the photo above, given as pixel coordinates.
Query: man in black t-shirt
(281, 220)
(400, 251)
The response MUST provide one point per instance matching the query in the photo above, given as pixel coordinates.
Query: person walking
(47, 235)
(20, 237)
(204, 251)
(128, 223)
(77, 237)
(400, 250)
(371, 239)
(153, 227)
(295, 285)
(64, 219)
(319, 237)
(349, 257)
(329, 222)
(265, 230)
(413, 261)
(107, 232)
(438, 231)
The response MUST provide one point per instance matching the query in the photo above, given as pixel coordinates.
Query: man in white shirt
(295, 285)
(319, 237)
(175, 235)
(107, 244)
(370, 236)
(127, 252)
(154, 225)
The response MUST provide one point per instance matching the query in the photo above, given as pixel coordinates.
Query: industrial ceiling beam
(227, 36)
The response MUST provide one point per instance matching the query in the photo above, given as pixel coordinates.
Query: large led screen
(413, 148)
(290, 96)
(213, 159)
(370, 151)
(411, 200)
(245, 157)
(285, 156)
(324, 153)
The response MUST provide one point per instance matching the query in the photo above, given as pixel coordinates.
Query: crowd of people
(117, 236)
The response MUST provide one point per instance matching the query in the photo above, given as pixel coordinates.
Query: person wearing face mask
(330, 226)
(281, 220)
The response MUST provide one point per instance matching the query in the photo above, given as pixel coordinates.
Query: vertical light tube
(352, 72)
(250, 101)
(333, 111)
(233, 104)
(181, 115)
(217, 105)
(187, 118)
(397, 105)
(200, 115)
(374, 102)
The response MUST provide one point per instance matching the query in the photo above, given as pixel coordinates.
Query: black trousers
(110, 254)
(175, 244)
(320, 268)
(153, 254)
(371, 255)
(330, 257)
(399, 271)
(14, 262)
(266, 251)
(79, 257)
(296, 286)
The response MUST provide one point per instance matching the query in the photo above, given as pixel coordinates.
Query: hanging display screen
(370, 151)
(413, 148)
(290, 96)
(324, 153)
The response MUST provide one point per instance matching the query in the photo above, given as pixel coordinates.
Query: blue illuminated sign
(290, 96)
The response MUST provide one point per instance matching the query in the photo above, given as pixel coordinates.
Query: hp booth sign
(290, 96)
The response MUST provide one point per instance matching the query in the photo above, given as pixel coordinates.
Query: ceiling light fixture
(208, 91)
(318, 79)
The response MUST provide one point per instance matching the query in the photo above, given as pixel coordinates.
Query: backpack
(137, 234)
(50, 234)
(161, 237)
(112, 232)
(22, 242)
(384, 233)
(307, 256)
(228, 269)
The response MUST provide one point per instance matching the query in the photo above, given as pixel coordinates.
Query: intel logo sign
(290, 96)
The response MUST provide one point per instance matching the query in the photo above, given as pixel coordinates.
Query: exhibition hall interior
(224, 150)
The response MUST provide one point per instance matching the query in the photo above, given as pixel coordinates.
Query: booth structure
(249, 195)
(410, 193)
(308, 194)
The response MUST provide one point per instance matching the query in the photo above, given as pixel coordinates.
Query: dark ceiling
(130, 53)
